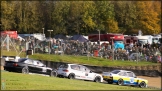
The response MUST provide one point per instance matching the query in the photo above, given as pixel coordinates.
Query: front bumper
(107, 77)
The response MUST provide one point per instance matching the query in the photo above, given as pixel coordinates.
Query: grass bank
(18, 81)
(95, 61)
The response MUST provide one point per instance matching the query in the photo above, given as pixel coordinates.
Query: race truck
(109, 37)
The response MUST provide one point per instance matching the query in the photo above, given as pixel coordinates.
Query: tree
(8, 15)
(104, 15)
(87, 23)
(111, 26)
(157, 8)
(82, 17)
(59, 16)
(126, 15)
(147, 18)
(73, 19)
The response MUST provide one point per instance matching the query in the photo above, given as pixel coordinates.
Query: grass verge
(18, 81)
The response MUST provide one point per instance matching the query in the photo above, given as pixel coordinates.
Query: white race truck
(145, 39)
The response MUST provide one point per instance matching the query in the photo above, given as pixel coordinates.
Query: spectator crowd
(145, 52)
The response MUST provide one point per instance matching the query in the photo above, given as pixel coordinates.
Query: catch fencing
(70, 47)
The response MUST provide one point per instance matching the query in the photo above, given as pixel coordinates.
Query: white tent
(20, 38)
(39, 36)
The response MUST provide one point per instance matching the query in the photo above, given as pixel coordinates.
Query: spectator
(131, 45)
(159, 58)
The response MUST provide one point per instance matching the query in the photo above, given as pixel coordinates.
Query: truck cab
(130, 39)
(156, 38)
(145, 39)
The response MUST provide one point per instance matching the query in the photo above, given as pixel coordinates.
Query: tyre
(142, 84)
(53, 74)
(120, 82)
(71, 76)
(97, 79)
(25, 70)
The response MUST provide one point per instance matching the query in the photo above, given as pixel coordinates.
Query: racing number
(132, 80)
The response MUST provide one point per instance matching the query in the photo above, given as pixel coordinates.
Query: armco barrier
(98, 69)
(140, 71)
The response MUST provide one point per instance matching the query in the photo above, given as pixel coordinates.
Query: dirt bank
(153, 81)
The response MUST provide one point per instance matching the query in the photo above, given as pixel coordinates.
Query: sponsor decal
(83, 76)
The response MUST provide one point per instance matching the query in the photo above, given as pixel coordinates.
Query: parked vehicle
(118, 45)
(145, 39)
(109, 37)
(129, 39)
(76, 71)
(26, 65)
(124, 77)
(156, 38)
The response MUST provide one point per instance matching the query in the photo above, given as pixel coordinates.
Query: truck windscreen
(143, 41)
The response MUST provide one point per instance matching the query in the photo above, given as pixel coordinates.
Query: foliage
(147, 18)
(81, 17)
(8, 15)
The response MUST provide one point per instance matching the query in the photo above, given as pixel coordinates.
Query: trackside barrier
(98, 69)
(151, 70)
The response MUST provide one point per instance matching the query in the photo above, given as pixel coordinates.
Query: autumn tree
(125, 14)
(147, 18)
(81, 17)
(157, 8)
